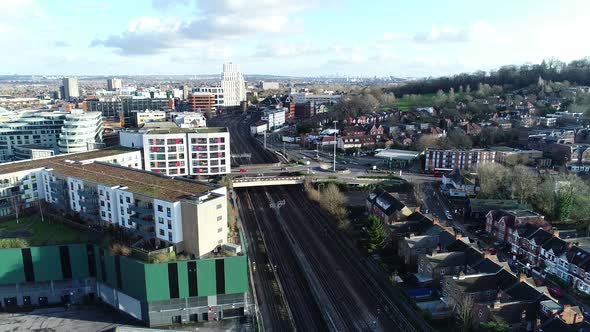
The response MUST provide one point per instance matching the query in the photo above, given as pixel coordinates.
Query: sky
(286, 37)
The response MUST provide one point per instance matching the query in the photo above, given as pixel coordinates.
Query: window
(128, 200)
(161, 232)
(218, 206)
(101, 193)
(220, 230)
(160, 208)
(169, 224)
(102, 203)
(170, 237)
(219, 218)
(103, 214)
(160, 220)
(168, 212)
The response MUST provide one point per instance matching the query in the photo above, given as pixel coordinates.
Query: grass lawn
(38, 233)
(409, 102)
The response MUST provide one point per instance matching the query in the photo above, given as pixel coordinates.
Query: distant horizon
(300, 38)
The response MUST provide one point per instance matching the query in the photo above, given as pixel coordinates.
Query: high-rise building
(71, 89)
(114, 84)
(233, 84)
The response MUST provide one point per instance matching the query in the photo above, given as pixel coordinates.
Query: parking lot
(58, 319)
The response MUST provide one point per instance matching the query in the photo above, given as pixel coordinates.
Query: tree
(333, 201)
(466, 313)
(523, 183)
(564, 202)
(494, 327)
(376, 234)
(457, 139)
(493, 181)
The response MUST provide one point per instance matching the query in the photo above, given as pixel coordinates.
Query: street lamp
(335, 143)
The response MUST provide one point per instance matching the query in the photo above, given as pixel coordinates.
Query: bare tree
(523, 184)
(333, 201)
(493, 179)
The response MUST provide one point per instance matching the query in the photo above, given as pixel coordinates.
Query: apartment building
(20, 182)
(275, 118)
(182, 152)
(501, 224)
(457, 159)
(201, 102)
(188, 120)
(218, 94)
(233, 84)
(123, 108)
(80, 132)
(149, 116)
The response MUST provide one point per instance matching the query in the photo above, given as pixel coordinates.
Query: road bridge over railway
(259, 181)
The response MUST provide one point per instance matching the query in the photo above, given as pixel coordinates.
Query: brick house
(502, 223)
(433, 267)
(386, 207)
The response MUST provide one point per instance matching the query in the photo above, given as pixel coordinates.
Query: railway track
(304, 312)
(241, 142)
(386, 298)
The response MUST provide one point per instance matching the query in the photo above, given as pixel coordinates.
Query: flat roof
(138, 181)
(210, 130)
(398, 154)
(18, 166)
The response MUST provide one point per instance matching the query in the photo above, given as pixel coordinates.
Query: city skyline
(297, 38)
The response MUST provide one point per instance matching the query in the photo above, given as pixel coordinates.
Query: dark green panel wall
(11, 266)
(46, 263)
(139, 280)
(206, 277)
(236, 276)
(133, 281)
(182, 279)
(79, 261)
(156, 281)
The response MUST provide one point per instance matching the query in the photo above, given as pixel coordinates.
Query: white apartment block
(233, 84)
(189, 120)
(71, 89)
(189, 215)
(21, 182)
(457, 159)
(275, 118)
(182, 152)
(81, 131)
(149, 116)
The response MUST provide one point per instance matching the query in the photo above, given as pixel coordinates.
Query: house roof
(577, 256)
(540, 236)
(488, 266)
(456, 176)
(523, 291)
(556, 244)
(385, 201)
(447, 259)
(555, 324)
(486, 205)
(478, 283)
(417, 227)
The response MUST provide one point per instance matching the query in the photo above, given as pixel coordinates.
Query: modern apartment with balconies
(182, 152)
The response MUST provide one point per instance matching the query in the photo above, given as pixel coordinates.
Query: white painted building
(189, 120)
(233, 84)
(269, 85)
(81, 131)
(149, 116)
(275, 118)
(181, 152)
(258, 128)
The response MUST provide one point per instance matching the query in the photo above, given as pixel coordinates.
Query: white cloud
(450, 34)
(214, 20)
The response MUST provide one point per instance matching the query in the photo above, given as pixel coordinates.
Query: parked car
(243, 170)
(555, 291)
(448, 215)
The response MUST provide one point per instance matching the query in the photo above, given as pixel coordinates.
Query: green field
(38, 233)
(408, 102)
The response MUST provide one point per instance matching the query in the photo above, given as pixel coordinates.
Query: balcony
(141, 209)
(142, 220)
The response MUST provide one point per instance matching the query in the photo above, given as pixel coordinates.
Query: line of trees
(515, 77)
